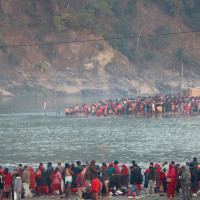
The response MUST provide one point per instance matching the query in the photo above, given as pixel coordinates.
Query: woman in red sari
(171, 182)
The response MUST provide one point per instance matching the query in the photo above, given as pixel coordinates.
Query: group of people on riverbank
(140, 105)
(89, 181)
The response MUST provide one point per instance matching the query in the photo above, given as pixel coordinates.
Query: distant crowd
(141, 105)
(90, 181)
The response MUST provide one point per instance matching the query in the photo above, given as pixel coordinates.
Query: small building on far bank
(190, 92)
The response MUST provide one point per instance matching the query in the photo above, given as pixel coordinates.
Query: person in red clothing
(125, 171)
(80, 184)
(56, 179)
(159, 184)
(32, 179)
(171, 182)
(7, 177)
(116, 163)
(96, 187)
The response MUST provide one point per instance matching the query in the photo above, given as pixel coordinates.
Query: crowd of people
(141, 105)
(89, 181)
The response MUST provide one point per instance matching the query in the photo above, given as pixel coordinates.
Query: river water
(28, 137)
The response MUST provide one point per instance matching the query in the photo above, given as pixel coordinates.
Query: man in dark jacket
(194, 178)
(133, 181)
(49, 171)
(151, 178)
(93, 171)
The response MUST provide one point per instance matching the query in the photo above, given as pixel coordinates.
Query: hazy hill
(59, 58)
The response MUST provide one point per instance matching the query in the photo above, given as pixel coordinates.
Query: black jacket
(194, 174)
(152, 174)
(43, 180)
(135, 176)
(48, 175)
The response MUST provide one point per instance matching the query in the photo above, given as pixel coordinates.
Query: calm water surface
(28, 137)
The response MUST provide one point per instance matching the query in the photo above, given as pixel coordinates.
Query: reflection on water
(29, 138)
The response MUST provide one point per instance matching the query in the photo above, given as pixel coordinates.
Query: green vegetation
(39, 66)
(181, 56)
(61, 20)
(149, 55)
(12, 59)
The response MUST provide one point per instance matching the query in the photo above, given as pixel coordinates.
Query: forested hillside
(87, 47)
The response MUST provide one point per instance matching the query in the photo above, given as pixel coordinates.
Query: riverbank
(178, 197)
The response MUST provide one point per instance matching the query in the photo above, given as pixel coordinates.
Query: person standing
(185, 181)
(13, 181)
(133, 182)
(56, 180)
(151, 179)
(32, 180)
(171, 182)
(26, 181)
(194, 178)
(1, 183)
(80, 184)
(93, 171)
(17, 187)
(49, 171)
(105, 177)
(7, 182)
(20, 169)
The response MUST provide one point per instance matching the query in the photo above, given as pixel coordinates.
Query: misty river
(28, 137)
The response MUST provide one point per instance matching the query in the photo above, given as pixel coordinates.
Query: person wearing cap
(93, 171)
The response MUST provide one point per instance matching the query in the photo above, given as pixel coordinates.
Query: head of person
(173, 162)
(41, 164)
(67, 165)
(171, 166)
(178, 166)
(15, 171)
(183, 168)
(41, 168)
(83, 167)
(104, 165)
(49, 164)
(165, 163)
(80, 170)
(135, 166)
(93, 162)
(116, 162)
(25, 167)
(111, 164)
(59, 162)
(78, 163)
(6, 170)
(31, 168)
(133, 162)
(195, 159)
(151, 164)
(20, 166)
(157, 165)
(131, 168)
